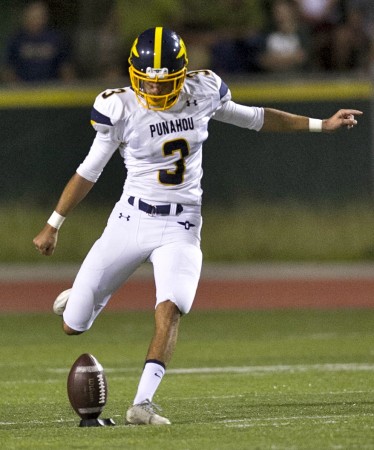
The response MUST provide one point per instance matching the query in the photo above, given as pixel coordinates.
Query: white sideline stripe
(335, 367)
(297, 368)
(220, 397)
(278, 368)
(284, 420)
(268, 419)
(41, 381)
(37, 422)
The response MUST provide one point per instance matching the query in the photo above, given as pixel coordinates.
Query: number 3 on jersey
(174, 177)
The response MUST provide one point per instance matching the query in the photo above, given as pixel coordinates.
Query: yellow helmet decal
(157, 50)
(134, 49)
(182, 51)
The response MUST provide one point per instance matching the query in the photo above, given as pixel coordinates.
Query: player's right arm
(75, 191)
(103, 117)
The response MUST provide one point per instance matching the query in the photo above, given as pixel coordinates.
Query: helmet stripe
(158, 45)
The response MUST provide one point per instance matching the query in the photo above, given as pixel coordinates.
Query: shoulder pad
(107, 110)
(207, 83)
(100, 122)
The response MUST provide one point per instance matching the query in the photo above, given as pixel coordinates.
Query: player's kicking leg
(59, 306)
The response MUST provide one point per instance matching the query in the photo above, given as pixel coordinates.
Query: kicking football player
(159, 125)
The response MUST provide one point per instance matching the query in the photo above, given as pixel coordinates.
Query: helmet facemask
(170, 87)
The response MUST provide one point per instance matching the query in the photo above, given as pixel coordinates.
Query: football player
(159, 125)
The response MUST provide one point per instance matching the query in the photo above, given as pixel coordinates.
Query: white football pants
(132, 237)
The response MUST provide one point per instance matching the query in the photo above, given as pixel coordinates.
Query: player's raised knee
(70, 331)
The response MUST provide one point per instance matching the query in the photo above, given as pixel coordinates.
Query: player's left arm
(278, 121)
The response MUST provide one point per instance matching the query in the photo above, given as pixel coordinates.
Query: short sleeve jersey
(162, 150)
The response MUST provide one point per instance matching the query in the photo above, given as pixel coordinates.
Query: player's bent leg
(109, 263)
(70, 331)
(59, 304)
(59, 307)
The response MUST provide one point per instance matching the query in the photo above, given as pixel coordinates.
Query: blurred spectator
(104, 40)
(111, 54)
(352, 38)
(37, 52)
(238, 24)
(198, 43)
(286, 44)
(321, 17)
(237, 55)
(366, 8)
(134, 18)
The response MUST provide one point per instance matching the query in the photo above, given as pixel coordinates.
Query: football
(87, 387)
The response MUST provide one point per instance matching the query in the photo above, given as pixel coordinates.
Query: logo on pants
(121, 216)
(187, 225)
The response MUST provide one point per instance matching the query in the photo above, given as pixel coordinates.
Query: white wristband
(315, 125)
(56, 220)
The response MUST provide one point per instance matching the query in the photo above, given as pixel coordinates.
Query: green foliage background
(256, 232)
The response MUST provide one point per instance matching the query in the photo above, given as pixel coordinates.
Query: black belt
(153, 210)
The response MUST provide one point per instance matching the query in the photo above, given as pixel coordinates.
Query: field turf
(289, 379)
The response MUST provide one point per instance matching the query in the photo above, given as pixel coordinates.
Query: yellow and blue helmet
(158, 55)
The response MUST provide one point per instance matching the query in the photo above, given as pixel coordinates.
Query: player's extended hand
(45, 242)
(343, 118)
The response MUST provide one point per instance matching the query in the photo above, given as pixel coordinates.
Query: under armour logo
(125, 217)
(188, 103)
(187, 225)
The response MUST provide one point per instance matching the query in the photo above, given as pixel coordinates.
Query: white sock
(151, 377)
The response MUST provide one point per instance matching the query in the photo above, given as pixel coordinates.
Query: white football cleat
(144, 414)
(59, 304)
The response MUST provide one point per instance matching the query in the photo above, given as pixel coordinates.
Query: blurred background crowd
(80, 40)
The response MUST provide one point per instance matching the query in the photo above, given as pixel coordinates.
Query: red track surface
(212, 294)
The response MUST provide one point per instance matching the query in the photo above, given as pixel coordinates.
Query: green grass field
(295, 379)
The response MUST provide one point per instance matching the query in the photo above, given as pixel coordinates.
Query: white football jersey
(162, 150)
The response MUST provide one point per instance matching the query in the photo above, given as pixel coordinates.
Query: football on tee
(87, 387)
